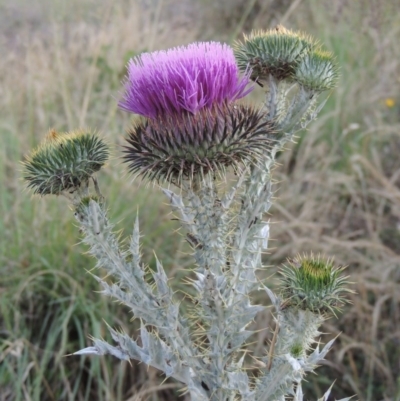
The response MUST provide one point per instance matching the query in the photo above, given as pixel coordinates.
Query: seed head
(64, 161)
(314, 283)
(183, 79)
(176, 149)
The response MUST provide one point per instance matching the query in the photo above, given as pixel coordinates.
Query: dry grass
(338, 190)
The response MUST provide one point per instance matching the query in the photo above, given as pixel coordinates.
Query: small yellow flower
(389, 102)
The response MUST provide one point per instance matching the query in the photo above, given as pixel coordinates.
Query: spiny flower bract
(64, 161)
(183, 79)
(313, 283)
(273, 52)
(177, 149)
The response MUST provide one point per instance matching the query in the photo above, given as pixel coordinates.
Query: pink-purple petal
(186, 78)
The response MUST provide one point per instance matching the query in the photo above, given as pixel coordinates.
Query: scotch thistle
(193, 128)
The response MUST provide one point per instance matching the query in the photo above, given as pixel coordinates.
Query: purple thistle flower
(193, 125)
(183, 79)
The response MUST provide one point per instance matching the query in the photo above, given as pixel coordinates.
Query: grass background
(337, 188)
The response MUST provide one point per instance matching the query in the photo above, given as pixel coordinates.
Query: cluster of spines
(176, 149)
(64, 161)
(286, 55)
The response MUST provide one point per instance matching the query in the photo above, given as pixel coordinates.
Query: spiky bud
(313, 283)
(64, 161)
(317, 71)
(275, 52)
(176, 149)
(297, 350)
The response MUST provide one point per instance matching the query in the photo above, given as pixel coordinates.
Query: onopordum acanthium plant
(212, 155)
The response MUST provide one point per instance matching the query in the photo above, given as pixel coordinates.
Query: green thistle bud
(275, 52)
(297, 350)
(64, 161)
(314, 283)
(317, 71)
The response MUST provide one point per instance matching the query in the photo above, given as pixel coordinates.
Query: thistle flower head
(193, 124)
(274, 52)
(317, 71)
(314, 283)
(176, 149)
(183, 79)
(64, 161)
